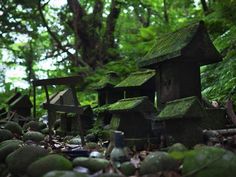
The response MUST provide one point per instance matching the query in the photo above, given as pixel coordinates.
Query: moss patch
(93, 164)
(109, 80)
(19, 160)
(7, 147)
(137, 79)
(127, 104)
(33, 136)
(13, 127)
(169, 45)
(182, 108)
(47, 164)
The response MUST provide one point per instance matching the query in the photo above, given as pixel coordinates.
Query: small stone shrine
(188, 112)
(141, 83)
(105, 88)
(177, 58)
(134, 117)
(68, 120)
(53, 107)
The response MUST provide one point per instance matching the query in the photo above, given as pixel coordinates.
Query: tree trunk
(204, 7)
(165, 10)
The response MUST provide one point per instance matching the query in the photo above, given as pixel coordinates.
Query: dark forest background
(92, 37)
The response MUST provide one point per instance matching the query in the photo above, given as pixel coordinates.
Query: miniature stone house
(105, 88)
(20, 104)
(182, 119)
(141, 83)
(177, 58)
(134, 116)
(69, 121)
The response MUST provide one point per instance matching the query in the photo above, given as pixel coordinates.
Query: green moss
(177, 147)
(127, 104)
(158, 161)
(115, 122)
(47, 164)
(5, 135)
(127, 168)
(209, 161)
(13, 127)
(182, 108)
(137, 79)
(109, 80)
(7, 147)
(169, 45)
(102, 109)
(93, 164)
(33, 136)
(19, 160)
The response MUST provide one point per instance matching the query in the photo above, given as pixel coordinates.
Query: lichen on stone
(188, 107)
(137, 79)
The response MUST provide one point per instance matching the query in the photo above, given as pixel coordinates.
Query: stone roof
(21, 102)
(139, 104)
(189, 107)
(191, 43)
(109, 81)
(13, 98)
(136, 79)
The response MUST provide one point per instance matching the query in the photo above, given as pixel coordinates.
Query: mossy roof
(136, 79)
(189, 107)
(108, 81)
(102, 108)
(139, 104)
(173, 45)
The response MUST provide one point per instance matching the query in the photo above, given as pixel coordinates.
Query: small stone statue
(118, 154)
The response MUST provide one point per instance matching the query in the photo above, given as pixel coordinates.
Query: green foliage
(219, 80)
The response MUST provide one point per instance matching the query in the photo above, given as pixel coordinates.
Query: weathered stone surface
(75, 140)
(5, 135)
(47, 164)
(127, 168)
(180, 43)
(45, 131)
(7, 147)
(13, 127)
(93, 164)
(33, 136)
(188, 107)
(209, 161)
(34, 126)
(57, 173)
(136, 79)
(158, 161)
(19, 160)
(177, 147)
